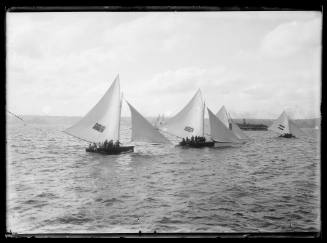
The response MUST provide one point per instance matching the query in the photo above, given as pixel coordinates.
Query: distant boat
(102, 122)
(286, 127)
(189, 122)
(226, 119)
(252, 127)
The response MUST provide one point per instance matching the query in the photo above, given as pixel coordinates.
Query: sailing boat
(225, 118)
(189, 122)
(285, 127)
(220, 133)
(102, 122)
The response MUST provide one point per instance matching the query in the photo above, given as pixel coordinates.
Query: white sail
(281, 125)
(189, 121)
(225, 117)
(219, 132)
(103, 120)
(238, 132)
(143, 131)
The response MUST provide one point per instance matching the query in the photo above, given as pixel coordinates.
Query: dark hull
(198, 145)
(253, 127)
(121, 149)
(287, 136)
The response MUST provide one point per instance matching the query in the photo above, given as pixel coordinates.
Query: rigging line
(77, 137)
(169, 133)
(15, 115)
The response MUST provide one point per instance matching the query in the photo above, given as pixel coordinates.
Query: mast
(204, 106)
(121, 103)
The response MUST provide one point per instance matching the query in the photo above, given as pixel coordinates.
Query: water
(53, 185)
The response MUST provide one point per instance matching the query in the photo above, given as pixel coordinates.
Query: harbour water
(269, 184)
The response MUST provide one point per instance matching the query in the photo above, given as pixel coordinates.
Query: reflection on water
(267, 184)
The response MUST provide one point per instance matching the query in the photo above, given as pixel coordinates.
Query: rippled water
(53, 185)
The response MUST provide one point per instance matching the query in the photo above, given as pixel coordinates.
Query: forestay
(103, 120)
(189, 121)
(225, 117)
(142, 129)
(219, 132)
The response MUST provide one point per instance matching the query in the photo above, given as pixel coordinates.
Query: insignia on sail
(281, 127)
(189, 129)
(98, 127)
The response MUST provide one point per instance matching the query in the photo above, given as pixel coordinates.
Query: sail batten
(189, 121)
(143, 130)
(103, 120)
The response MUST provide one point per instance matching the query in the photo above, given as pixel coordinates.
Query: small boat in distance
(286, 127)
(252, 126)
(102, 123)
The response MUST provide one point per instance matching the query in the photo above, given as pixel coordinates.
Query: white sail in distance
(143, 130)
(225, 117)
(281, 125)
(103, 120)
(284, 125)
(189, 121)
(218, 130)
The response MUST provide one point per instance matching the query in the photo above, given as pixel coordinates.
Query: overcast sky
(257, 64)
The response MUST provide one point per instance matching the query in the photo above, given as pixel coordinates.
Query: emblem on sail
(281, 127)
(98, 127)
(189, 129)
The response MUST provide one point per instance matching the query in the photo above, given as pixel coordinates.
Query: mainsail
(218, 130)
(189, 121)
(143, 131)
(103, 120)
(225, 117)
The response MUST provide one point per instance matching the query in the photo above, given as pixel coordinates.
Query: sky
(256, 64)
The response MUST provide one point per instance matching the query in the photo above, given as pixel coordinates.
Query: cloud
(292, 37)
(67, 61)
